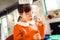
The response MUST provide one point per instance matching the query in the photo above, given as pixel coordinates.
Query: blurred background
(47, 10)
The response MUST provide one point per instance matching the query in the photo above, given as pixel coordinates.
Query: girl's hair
(24, 8)
(19, 18)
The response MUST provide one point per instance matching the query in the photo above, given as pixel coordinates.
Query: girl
(27, 28)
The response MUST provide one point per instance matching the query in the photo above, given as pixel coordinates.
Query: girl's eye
(27, 13)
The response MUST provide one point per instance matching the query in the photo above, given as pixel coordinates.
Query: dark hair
(24, 8)
(19, 18)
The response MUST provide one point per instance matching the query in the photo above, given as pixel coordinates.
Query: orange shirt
(27, 33)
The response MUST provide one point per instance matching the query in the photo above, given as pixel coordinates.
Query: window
(51, 5)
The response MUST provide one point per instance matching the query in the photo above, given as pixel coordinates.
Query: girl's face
(27, 16)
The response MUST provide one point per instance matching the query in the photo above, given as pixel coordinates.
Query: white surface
(25, 1)
(4, 30)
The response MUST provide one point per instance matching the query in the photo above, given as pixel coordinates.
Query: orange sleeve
(41, 29)
(18, 35)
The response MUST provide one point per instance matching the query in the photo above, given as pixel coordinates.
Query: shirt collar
(26, 23)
